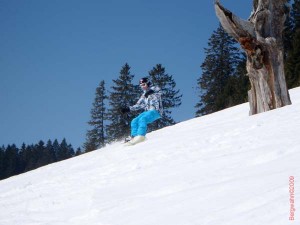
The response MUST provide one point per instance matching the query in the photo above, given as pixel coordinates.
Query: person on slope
(151, 103)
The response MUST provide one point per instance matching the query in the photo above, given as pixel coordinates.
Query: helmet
(145, 80)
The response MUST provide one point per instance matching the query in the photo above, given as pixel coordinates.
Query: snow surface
(225, 168)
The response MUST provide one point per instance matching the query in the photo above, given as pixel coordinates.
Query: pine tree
(78, 152)
(292, 66)
(219, 66)
(56, 149)
(2, 155)
(65, 151)
(42, 158)
(50, 153)
(124, 93)
(22, 158)
(11, 160)
(292, 63)
(62, 151)
(171, 97)
(236, 89)
(29, 158)
(95, 138)
(288, 31)
(71, 151)
(296, 14)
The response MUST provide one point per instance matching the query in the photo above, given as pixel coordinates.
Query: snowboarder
(151, 103)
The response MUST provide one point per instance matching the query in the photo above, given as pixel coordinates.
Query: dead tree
(261, 38)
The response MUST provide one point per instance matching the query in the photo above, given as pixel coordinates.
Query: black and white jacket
(152, 102)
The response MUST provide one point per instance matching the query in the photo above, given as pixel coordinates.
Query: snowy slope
(225, 168)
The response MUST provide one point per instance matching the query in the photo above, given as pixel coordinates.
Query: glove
(125, 109)
(150, 92)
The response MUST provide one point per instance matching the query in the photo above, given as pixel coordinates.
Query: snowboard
(135, 140)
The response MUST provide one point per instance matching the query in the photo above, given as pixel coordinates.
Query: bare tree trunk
(261, 38)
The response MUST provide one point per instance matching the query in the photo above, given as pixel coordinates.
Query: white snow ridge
(226, 168)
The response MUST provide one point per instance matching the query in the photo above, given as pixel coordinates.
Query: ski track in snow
(225, 168)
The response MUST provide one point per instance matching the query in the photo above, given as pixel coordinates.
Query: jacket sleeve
(141, 104)
(152, 102)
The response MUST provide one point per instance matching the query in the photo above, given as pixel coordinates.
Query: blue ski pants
(139, 123)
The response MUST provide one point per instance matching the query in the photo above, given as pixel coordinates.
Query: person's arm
(139, 105)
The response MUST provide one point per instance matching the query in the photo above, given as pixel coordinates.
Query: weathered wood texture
(261, 38)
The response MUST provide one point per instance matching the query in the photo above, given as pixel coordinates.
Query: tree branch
(233, 25)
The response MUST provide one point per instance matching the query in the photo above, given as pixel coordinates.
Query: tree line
(14, 160)
(107, 123)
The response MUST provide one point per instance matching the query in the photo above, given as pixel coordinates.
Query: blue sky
(53, 55)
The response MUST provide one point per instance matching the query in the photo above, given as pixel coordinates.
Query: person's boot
(136, 140)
